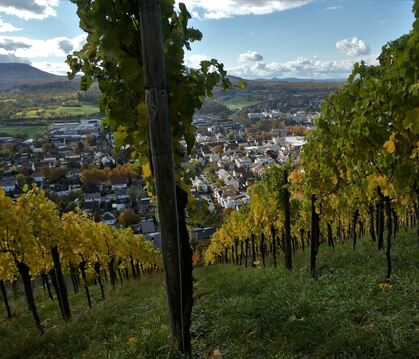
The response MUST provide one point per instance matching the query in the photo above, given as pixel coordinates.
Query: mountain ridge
(16, 75)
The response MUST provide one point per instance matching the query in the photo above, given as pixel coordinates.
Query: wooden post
(314, 236)
(161, 150)
(287, 224)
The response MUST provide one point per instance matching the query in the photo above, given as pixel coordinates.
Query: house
(198, 234)
(148, 226)
(258, 169)
(119, 206)
(74, 174)
(145, 205)
(107, 161)
(295, 141)
(222, 193)
(228, 179)
(108, 218)
(154, 238)
(119, 182)
(237, 201)
(93, 198)
(206, 151)
(61, 190)
(38, 178)
(8, 185)
(243, 162)
(49, 161)
(230, 147)
(200, 184)
(264, 160)
(256, 116)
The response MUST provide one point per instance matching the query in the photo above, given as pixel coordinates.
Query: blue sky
(254, 38)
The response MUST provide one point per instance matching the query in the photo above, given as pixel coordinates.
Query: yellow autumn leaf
(390, 146)
(384, 286)
(146, 170)
(293, 318)
(216, 354)
(132, 341)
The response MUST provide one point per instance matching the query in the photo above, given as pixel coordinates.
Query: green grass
(137, 310)
(269, 313)
(239, 101)
(27, 131)
(59, 111)
(245, 313)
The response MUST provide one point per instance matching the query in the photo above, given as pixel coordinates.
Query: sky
(316, 39)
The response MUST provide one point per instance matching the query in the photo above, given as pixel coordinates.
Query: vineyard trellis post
(161, 148)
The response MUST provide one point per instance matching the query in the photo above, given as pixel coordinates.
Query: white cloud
(217, 9)
(29, 48)
(194, 60)
(5, 57)
(250, 56)
(6, 27)
(301, 68)
(10, 45)
(334, 8)
(29, 9)
(354, 47)
(56, 68)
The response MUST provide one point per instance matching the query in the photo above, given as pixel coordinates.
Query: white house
(119, 183)
(8, 185)
(92, 198)
(243, 162)
(108, 218)
(200, 184)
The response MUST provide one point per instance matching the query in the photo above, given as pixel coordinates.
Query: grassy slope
(137, 310)
(268, 313)
(245, 313)
(59, 111)
(238, 102)
(27, 131)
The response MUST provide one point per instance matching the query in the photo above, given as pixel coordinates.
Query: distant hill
(287, 84)
(24, 76)
(297, 80)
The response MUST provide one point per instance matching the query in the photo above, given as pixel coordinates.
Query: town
(75, 162)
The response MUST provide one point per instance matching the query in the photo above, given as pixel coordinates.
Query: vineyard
(322, 263)
(358, 171)
(241, 312)
(36, 242)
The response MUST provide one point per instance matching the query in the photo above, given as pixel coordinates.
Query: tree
(17, 240)
(46, 229)
(93, 177)
(79, 147)
(21, 179)
(91, 139)
(133, 193)
(128, 217)
(218, 149)
(368, 137)
(48, 147)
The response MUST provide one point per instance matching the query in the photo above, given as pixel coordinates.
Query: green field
(238, 101)
(60, 111)
(244, 313)
(26, 131)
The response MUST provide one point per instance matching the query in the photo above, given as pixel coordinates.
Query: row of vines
(358, 171)
(36, 242)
